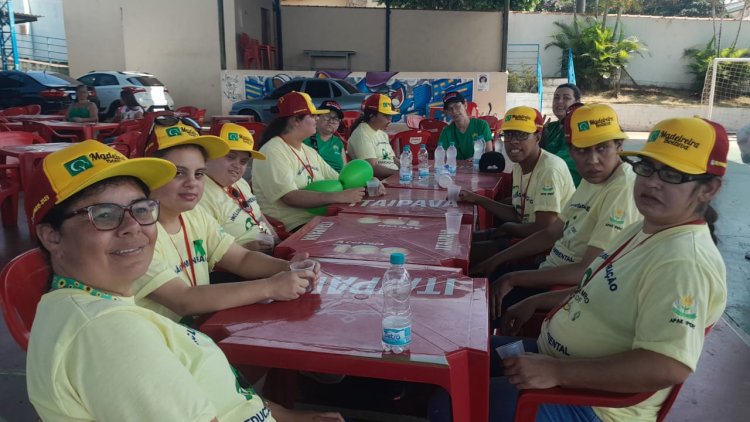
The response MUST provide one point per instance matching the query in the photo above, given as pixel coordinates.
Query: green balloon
(323, 186)
(355, 174)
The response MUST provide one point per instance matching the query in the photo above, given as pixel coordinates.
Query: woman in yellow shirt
(369, 141)
(93, 354)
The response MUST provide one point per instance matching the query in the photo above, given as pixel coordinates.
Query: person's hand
(381, 187)
(468, 196)
(486, 267)
(350, 196)
(259, 245)
(516, 316)
(532, 370)
(289, 285)
(498, 291)
(299, 256)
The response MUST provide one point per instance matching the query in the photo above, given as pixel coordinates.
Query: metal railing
(37, 48)
(525, 69)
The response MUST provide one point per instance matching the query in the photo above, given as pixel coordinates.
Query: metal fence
(525, 69)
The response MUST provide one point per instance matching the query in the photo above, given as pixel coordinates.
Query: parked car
(340, 90)
(51, 90)
(149, 91)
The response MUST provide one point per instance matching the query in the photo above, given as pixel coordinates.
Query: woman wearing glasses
(325, 141)
(93, 354)
(191, 243)
(227, 196)
(598, 211)
(541, 184)
(280, 180)
(637, 319)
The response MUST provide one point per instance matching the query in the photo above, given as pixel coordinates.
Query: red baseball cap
(297, 104)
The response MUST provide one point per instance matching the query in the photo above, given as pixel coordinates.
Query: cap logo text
(78, 165)
(679, 141)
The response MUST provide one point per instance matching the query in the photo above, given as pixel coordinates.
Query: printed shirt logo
(685, 307)
(548, 187)
(233, 136)
(653, 136)
(78, 165)
(583, 126)
(618, 217)
(173, 131)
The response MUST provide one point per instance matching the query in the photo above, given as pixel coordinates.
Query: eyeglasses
(331, 118)
(107, 217)
(173, 120)
(666, 174)
(516, 136)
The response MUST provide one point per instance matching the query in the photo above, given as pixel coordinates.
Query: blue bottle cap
(397, 259)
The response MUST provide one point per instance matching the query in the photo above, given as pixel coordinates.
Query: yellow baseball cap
(523, 119)
(179, 133)
(689, 144)
(239, 138)
(70, 170)
(591, 124)
(380, 103)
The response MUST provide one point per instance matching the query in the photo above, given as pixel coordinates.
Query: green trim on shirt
(553, 140)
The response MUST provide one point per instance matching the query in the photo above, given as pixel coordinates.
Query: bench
(336, 54)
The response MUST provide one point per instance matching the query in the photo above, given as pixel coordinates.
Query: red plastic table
(337, 328)
(407, 202)
(87, 130)
(46, 148)
(35, 117)
(423, 240)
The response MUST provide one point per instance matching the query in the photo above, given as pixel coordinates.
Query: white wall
(94, 44)
(665, 38)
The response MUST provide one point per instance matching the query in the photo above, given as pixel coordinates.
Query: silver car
(150, 93)
(346, 94)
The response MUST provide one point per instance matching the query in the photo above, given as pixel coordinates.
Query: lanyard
(528, 182)
(307, 166)
(59, 282)
(190, 254)
(237, 195)
(611, 260)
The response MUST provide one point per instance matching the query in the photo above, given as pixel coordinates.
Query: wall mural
(409, 96)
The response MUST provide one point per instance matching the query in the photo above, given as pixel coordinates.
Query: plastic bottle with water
(424, 162)
(478, 150)
(439, 160)
(396, 308)
(406, 166)
(450, 159)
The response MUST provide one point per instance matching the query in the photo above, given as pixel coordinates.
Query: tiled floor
(718, 391)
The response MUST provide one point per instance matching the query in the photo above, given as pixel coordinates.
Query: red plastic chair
(249, 50)
(33, 109)
(22, 283)
(434, 127)
(195, 113)
(12, 138)
(530, 400)
(14, 111)
(47, 133)
(412, 120)
(9, 190)
(278, 226)
(472, 109)
(267, 52)
(130, 144)
(138, 125)
(413, 138)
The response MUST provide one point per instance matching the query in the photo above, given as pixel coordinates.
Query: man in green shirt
(329, 146)
(463, 129)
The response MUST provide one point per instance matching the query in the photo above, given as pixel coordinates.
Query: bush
(522, 80)
(727, 74)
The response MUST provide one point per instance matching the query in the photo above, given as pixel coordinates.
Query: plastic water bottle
(424, 162)
(450, 159)
(406, 167)
(396, 308)
(439, 160)
(478, 150)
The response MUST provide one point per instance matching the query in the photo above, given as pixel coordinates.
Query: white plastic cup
(444, 181)
(453, 192)
(307, 264)
(510, 350)
(452, 221)
(372, 187)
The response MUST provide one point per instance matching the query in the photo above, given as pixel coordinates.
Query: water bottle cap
(397, 259)
(453, 144)
(423, 146)
(406, 148)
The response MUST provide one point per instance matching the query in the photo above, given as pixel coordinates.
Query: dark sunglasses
(666, 174)
(107, 216)
(173, 120)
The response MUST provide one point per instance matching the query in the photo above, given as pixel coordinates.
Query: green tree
(700, 59)
(477, 5)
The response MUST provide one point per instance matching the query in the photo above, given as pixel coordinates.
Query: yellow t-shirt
(366, 143)
(282, 172)
(594, 216)
(209, 244)
(550, 186)
(659, 294)
(95, 359)
(217, 203)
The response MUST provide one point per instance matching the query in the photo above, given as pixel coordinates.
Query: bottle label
(424, 172)
(397, 336)
(405, 177)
